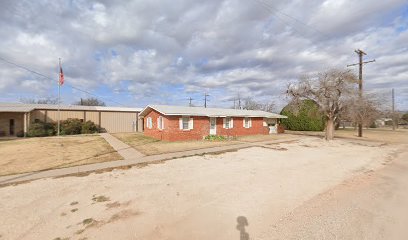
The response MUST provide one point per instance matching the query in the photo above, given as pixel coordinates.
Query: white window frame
(149, 123)
(160, 123)
(185, 120)
(182, 123)
(247, 122)
(228, 121)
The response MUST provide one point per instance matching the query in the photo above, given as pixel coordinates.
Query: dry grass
(35, 154)
(150, 146)
(386, 135)
(377, 134)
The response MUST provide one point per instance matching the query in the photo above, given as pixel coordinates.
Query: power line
(279, 18)
(25, 68)
(274, 10)
(271, 7)
(48, 77)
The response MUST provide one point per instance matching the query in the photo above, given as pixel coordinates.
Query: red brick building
(177, 123)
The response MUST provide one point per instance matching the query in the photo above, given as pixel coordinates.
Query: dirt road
(279, 191)
(371, 206)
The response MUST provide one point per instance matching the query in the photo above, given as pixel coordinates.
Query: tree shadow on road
(242, 223)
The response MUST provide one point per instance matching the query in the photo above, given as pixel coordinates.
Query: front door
(11, 130)
(213, 126)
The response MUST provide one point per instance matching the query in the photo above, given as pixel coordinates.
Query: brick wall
(172, 131)
(239, 129)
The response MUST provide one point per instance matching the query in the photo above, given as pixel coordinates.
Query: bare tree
(250, 104)
(364, 110)
(330, 90)
(90, 102)
(269, 107)
(47, 100)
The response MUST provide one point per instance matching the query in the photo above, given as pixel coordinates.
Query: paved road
(372, 206)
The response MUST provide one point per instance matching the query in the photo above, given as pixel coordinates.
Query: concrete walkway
(130, 161)
(126, 151)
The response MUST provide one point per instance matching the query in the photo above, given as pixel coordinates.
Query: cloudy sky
(163, 52)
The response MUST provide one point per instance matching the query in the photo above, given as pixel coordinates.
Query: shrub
(71, 126)
(307, 118)
(89, 127)
(41, 129)
(373, 125)
(215, 138)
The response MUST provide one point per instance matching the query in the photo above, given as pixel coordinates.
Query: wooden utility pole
(360, 63)
(393, 110)
(239, 101)
(190, 104)
(205, 99)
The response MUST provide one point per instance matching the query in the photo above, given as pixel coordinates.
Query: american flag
(61, 76)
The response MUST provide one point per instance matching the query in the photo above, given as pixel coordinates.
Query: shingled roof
(209, 112)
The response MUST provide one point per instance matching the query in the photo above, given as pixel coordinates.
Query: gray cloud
(164, 51)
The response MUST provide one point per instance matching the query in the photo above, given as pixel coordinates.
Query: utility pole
(205, 99)
(393, 110)
(360, 63)
(239, 101)
(190, 99)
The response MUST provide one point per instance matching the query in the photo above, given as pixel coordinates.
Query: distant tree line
(91, 101)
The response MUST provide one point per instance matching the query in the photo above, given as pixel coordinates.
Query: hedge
(71, 126)
(41, 129)
(68, 127)
(307, 118)
(89, 127)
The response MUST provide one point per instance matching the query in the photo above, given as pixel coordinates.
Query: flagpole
(59, 96)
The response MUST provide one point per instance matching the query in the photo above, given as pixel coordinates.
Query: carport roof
(22, 107)
(209, 112)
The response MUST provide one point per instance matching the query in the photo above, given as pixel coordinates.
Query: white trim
(230, 122)
(249, 125)
(214, 130)
(188, 123)
(147, 107)
(160, 123)
(149, 123)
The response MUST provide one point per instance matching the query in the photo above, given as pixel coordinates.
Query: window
(186, 123)
(186, 120)
(149, 123)
(228, 123)
(160, 123)
(247, 122)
